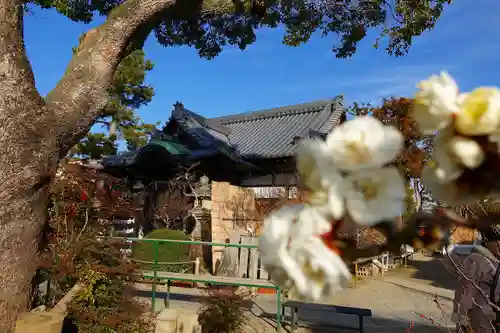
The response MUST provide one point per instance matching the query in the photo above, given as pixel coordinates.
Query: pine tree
(119, 120)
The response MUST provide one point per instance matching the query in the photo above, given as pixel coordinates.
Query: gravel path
(396, 302)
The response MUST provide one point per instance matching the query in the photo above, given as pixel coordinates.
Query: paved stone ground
(396, 301)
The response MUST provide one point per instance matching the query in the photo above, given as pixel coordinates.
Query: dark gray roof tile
(270, 133)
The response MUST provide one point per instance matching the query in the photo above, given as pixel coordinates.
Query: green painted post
(155, 274)
(278, 310)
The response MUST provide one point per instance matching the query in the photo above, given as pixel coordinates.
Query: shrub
(143, 252)
(222, 312)
(106, 306)
(73, 251)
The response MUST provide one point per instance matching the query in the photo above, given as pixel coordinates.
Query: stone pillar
(177, 321)
(40, 322)
(166, 322)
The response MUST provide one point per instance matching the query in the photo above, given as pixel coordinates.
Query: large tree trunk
(19, 236)
(28, 158)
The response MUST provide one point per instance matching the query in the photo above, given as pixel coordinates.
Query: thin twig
(432, 321)
(84, 225)
(439, 306)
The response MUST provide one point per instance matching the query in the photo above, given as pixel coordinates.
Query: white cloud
(373, 84)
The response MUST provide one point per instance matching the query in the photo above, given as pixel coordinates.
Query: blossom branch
(438, 229)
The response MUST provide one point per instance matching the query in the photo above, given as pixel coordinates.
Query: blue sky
(465, 42)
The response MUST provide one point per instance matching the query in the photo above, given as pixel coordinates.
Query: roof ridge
(314, 106)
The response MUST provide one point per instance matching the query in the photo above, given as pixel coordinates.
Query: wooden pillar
(287, 192)
(138, 197)
(355, 273)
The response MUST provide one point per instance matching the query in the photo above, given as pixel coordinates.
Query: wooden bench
(296, 305)
(217, 280)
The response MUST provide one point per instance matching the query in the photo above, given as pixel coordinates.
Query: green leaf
(397, 22)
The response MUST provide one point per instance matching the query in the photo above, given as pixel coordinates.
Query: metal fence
(177, 255)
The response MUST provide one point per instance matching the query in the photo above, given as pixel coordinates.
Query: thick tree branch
(82, 93)
(25, 144)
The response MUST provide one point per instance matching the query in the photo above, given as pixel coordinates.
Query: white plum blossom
(296, 257)
(318, 173)
(363, 142)
(479, 112)
(374, 195)
(349, 179)
(452, 153)
(467, 151)
(314, 165)
(321, 273)
(435, 103)
(317, 221)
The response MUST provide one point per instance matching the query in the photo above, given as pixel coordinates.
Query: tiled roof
(261, 134)
(272, 133)
(209, 134)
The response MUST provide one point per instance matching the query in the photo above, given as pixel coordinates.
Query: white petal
(363, 142)
(336, 201)
(335, 273)
(276, 232)
(312, 221)
(386, 203)
(295, 256)
(447, 168)
(435, 103)
(479, 112)
(314, 165)
(467, 151)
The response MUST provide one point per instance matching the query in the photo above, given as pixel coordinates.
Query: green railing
(156, 263)
(156, 243)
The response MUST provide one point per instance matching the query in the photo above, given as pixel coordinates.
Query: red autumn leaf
(329, 240)
(71, 211)
(396, 112)
(83, 195)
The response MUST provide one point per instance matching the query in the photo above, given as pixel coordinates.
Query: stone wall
(233, 211)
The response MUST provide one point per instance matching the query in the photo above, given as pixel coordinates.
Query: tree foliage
(185, 24)
(417, 147)
(128, 93)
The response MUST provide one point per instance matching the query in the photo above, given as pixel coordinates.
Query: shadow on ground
(322, 321)
(200, 298)
(262, 317)
(433, 271)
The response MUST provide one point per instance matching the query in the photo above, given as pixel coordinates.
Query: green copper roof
(171, 145)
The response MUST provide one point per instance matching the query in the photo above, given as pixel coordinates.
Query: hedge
(168, 253)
